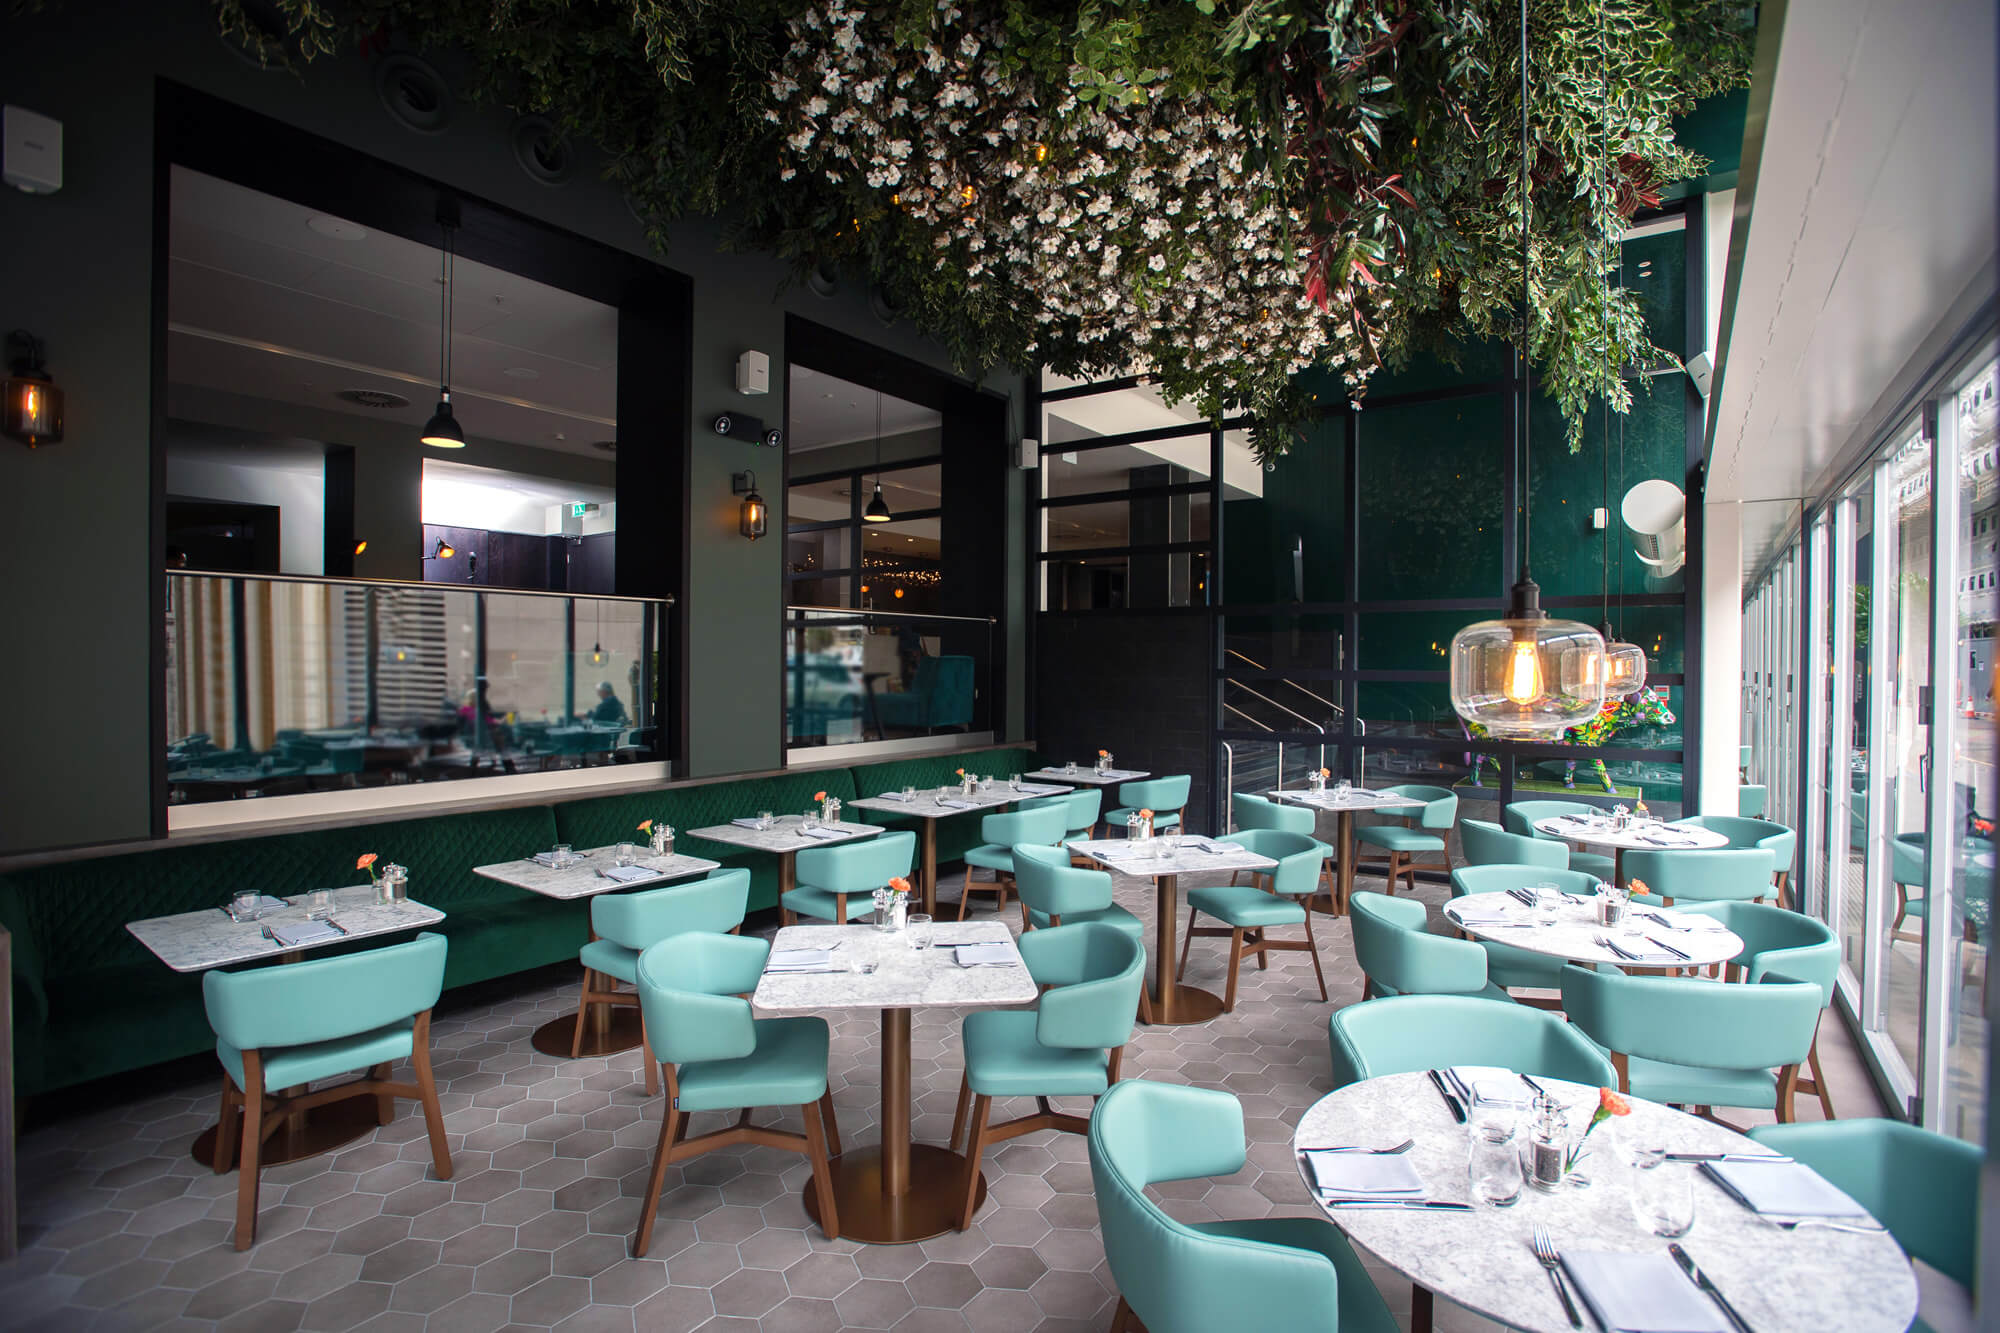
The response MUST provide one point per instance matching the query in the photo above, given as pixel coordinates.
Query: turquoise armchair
(940, 695)
(1405, 1034)
(1751, 800)
(622, 925)
(826, 877)
(1728, 874)
(1742, 831)
(1055, 892)
(288, 1026)
(1248, 911)
(1505, 964)
(1291, 1273)
(1257, 812)
(1696, 1043)
(1487, 844)
(1165, 797)
(1068, 1045)
(1520, 818)
(1041, 826)
(716, 1057)
(1081, 809)
(1398, 956)
(1922, 1186)
(1405, 841)
(1781, 942)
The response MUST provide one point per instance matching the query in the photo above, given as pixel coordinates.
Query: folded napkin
(1693, 922)
(956, 804)
(1483, 915)
(629, 874)
(821, 832)
(745, 823)
(894, 796)
(1363, 1175)
(984, 955)
(1212, 848)
(1787, 1189)
(798, 960)
(1032, 789)
(1494, 1084)
(1631, 951)
(293, 934)
(1642, 1293)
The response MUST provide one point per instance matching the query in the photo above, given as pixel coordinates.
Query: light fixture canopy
(878, 508)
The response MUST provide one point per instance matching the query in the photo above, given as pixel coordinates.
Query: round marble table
(1640, 836)
(1575, 932)
(1812, 1279)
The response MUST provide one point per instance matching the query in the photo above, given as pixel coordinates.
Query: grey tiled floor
(123, 1230)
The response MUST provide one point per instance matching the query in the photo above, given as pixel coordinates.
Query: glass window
(1145, 520)
(899, 566)
(1118, 581)
(1432, 501)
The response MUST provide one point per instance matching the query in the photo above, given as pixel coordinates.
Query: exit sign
(582, 507)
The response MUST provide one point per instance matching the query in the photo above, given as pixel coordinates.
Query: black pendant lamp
(878, 508)
(442, 431)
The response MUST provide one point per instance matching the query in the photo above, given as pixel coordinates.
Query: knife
(1400, 1203)
(1458, 1086)
(1457, 1111)
(1724, 1157)
(1701, 1280)
(1669, 948)
(1536, 1086)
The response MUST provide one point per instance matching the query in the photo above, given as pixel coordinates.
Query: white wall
(298, 490)
(1721, 668)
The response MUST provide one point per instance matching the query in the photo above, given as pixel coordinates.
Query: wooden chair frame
(971, 1120)
(1788, 1083)
(820, 1142)
(1002, 881)
(1402, 865)
(262, 1113)
(1250, 942)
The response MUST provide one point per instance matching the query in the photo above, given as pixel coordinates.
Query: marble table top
(1143, 857)
(1357, 798)
(1574, 934)
(1650, 836)
(783, 836)
(582, 880)
(1812, 1279)
(197, 941)
(904, 978)
(926, 803)
(1090, 777)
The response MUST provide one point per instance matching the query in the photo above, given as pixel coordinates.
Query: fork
(1545, 1254)
(1404, 1146)
(1605, 942)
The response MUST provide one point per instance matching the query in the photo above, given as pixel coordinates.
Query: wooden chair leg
(831, 1122)
(1788, 1079)
(1257, 936)
(1145, 1005)
(385, 1102)
(1026, 925)
(227, 1129)
(1235, 964)
(975, 1148)
(965, 894)
(1187, 942)
(1312, 948)
(964, 1109)
(582, 1012)
(829, 1212)
(427, 1094)
(1824, 1093)
(670, 1124)
(1123, 1320)
(646, 1060)
(253, 1143)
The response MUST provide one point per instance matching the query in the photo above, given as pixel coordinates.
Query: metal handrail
(1289, 712)
(416, 584)
(843, 612)
(1319, 698)
(1230, 707)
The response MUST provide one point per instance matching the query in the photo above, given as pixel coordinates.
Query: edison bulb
(1524, 673)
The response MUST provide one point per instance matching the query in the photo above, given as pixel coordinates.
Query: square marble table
(896, 1192)
(932, 804)
(613, 1027)
(1173, 1003)
(784, 840)
(1343, 809)
(1089, 777)
(210, 938)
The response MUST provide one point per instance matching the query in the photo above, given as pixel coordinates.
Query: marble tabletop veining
(1650, 836)
(583, 880)
(1574, 933)
(904, 978)
(1357, 799)
(1090, 777)
(1144, 857)
(931, 803)
(1811, 1280)
(197, 941)
(783, 835)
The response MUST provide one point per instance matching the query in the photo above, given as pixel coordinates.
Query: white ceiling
(825, 410)
(1864, 230)
(265, 298)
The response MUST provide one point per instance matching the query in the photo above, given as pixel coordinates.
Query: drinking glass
(1493, 1167)
(808, 820)
(1548, 901)
(1662, 1193)
(918, 924)
(986, 782)
(1170, 845)
(628, 854)
(1494, 1115)
(764, 819)
(1014, 782)
(564, 854)
(1070, 767)
(909, 793)
(319, 904)
(1343, 788)
(244, 905)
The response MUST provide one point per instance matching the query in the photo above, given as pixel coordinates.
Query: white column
(1719, 674)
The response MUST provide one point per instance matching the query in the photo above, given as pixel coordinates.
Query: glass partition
(281, 686)
(859, 676)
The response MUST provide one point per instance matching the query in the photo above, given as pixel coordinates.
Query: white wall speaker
(1031, 455)
(1656, 512)
(33, 151)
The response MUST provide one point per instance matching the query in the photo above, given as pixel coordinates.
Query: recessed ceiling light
(522, 373)
(340, 229)
(828, 395)
(559, 436)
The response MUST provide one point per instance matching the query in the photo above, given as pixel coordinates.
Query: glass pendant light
(441, 431)
(1525, 676)
(878, 508)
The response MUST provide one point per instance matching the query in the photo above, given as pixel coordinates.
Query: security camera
(736, 423)
(774, 439)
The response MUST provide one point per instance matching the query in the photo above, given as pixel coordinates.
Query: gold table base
(308, 1133)
(870, 1214)
(608, 1030)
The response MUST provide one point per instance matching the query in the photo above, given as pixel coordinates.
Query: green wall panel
(1305, 498)
(1431, 500)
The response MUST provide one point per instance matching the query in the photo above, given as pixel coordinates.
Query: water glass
(764, 819)
(1548, 902)
(628, 854)
(1662, 1193)
(1343, 788)
(909, 793)
(1493, 1168)
(1494, 1116)
(808, 820)
(244, 906)
(1014, 782)
(986, 782)
(918, 924)
(565, 854)
(1170, 845)
(1070, 767)
(319, 904)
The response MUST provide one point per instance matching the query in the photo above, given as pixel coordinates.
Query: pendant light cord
(444, 326)
(1527, 331)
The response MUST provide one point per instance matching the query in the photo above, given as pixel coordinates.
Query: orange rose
(1104, 754)
(961, 772)
(646, 827)
(1326, 772)
(818, 797)
(365, 860)
(1145, 814)
(899, 884)
(1637, 886)
(1613, 1102)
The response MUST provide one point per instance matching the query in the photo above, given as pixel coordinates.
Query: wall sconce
(34, 405)
(445, 551)
(360, 546)
(755, 514)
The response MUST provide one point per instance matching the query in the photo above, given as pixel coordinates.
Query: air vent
(414, 93)
(542, 151)
(372, 398)
(608, 446)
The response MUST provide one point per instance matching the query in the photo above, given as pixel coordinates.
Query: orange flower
(899, 884)
(365, 860)
(1326, 772)
(961, 772)
(1104, 754)
(818, 797)
(1145, 814)
(646, 827)
(1613, 1102)
(1637, 886)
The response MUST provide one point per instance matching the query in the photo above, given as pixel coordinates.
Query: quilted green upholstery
(956, 834)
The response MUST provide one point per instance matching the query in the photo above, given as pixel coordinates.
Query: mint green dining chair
(1080, 806)
(1405, 1034)
(1521, 816)
(624, 925)
(301, 1023)
(1042, 826)
(1487, 844)
(1165, 797)
(1751, 799)
(1725, 874)
(1056, 893)
(1293, 1273)
(1780, 942)
(1255, 812)
(1248, 911)
(1921, 1185)
(1696, 1043)
(1399, 956)
(1404, 841)
(1773, 837)
(1506, 965)
(826, 877)
(716, 1057)
(1069, 1045)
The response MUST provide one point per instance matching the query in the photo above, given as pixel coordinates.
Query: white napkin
(1642, 1293)
(984, 955)
(821, 833)
(1374, 1175)
(954, 803)
(1493, 1083)
(745, 823)
(1481, 914)
(1032, 789)
(629, 874)
(798, 960)
(264, 904)
(1684, 921)
(293, 934)
(894, 796)
(1786, 1189)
